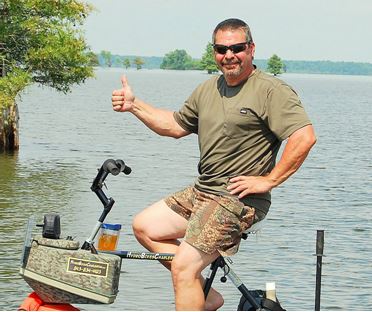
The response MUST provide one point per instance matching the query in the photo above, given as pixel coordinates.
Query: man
(240, 118)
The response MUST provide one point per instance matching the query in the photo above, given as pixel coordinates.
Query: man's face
(236, 67)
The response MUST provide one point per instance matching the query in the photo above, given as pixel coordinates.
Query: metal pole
(219, 262)
(319, 255)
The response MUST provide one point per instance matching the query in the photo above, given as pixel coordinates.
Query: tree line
(177, 59)
(180, 60)
(106, 58)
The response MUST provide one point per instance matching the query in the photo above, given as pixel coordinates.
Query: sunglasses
(234, 48)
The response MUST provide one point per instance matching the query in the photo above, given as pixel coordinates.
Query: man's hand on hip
(245, 185)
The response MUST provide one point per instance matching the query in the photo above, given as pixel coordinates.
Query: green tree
(207, 62)
(93, 59)
(177, 59)
(107, 58)
(275, 65)
(126, 63)
(40, 42)
(138, 62)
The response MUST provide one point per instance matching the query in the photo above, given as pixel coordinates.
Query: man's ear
(253, 49)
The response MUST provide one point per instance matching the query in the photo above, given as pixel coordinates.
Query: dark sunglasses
(234, 48)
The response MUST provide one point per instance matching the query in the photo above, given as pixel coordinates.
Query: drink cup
(109, 236)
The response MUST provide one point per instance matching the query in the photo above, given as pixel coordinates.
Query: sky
(312, 30)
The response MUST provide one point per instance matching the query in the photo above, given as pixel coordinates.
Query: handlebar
(115, 167)
(109, 166)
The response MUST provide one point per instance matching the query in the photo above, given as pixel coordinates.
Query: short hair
(233, 24)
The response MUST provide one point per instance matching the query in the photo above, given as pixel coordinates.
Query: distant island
(303, 67)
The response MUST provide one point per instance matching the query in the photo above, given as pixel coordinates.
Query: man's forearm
(158, 120)
(294, 154)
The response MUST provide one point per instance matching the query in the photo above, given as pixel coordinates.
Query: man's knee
(136, 224)
(158, 222)
(149, 222)
(139, 225)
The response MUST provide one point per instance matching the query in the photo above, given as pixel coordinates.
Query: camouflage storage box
(59, 272)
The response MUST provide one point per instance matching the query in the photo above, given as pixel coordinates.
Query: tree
(117, 61)
(275, 65)
(177, 59)
(126, 63)
(93, 59)
(107, 58)
(40, 42)
(207, 62)
(10, 85)
(138, 62)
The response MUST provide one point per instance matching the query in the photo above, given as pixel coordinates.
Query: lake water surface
(65, 138)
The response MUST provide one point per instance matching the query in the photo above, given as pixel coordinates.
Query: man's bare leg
(158, 229)
(186, 270)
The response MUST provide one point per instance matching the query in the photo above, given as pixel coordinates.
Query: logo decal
(88, 267)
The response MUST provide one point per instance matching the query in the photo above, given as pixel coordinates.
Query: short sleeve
(187, 116)
(284, 112)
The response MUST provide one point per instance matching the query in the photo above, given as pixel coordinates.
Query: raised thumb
(124, 81)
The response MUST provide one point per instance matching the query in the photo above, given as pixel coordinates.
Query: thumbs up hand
(122, 99)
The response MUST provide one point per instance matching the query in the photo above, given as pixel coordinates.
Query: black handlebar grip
(123, 168)
(110, 166)
(127, 170)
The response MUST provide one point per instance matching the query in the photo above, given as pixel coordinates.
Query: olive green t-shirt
(240, 129)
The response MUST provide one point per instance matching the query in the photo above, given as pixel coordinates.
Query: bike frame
(220, 262)
(115, 167)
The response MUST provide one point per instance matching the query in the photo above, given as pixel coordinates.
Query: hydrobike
(61, 272)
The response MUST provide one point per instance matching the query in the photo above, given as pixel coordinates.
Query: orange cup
(109, 236)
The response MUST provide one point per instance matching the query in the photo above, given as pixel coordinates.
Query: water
(64, 138)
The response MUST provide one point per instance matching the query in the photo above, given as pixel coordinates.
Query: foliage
(177, 59)
(42, 39)
(93, 59)
(328, 67)
(126, 63)
(138, 62)
(207, 62)
(107, 58)
(275, 65)
(307, 67)
(10, 86)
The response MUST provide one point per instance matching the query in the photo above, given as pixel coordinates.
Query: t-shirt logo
(244, 111)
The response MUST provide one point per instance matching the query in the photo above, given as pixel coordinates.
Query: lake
(65, 138)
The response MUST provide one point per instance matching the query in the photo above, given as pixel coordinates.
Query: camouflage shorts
(215, 222)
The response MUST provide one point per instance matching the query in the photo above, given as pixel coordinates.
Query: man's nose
(229, 54)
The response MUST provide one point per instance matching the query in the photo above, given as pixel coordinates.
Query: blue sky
(336, 30)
